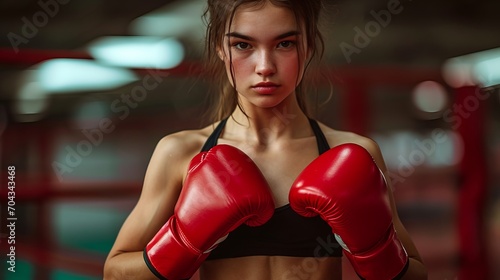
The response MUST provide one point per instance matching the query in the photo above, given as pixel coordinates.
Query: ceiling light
(77, 75)
(138, 51)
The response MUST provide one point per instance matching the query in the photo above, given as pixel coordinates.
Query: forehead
(265, 19)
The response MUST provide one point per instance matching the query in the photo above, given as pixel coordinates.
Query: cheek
(241, 68)
(290, 63)
(292, 69)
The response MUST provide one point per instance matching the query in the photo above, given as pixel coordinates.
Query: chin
(266, 101)
(270, 104)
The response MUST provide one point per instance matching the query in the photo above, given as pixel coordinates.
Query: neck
(263, 126)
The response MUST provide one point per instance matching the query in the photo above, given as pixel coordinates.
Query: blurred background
(87, 89)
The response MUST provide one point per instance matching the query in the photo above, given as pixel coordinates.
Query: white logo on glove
(341, 242)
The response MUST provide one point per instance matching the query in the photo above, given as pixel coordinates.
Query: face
(262, 45)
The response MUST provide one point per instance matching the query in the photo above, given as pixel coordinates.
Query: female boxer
(266, 192)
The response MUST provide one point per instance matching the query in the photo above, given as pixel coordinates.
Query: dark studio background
(80, 154)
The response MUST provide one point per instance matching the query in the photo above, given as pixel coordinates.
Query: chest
(281, 168)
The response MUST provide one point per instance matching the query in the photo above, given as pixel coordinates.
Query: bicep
(160, 191)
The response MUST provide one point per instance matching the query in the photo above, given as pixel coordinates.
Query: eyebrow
(248, 38)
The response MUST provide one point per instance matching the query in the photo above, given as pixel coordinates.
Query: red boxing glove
(347, 189)
(223, 189)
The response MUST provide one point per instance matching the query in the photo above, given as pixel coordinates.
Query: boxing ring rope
(355, 82)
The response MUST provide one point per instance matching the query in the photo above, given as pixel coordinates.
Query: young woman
(265, 192)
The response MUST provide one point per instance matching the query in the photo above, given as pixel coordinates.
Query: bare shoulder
(169, 162)
(184, 143)
(338, 137)
(180, 147)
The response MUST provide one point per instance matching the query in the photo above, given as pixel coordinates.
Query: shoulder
(172, 154)
(179, 144)
(338, 137)
(168, 166)
(183, 145)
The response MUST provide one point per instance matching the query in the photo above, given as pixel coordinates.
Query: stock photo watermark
(32, 25)
(425, 148)
(309, 266)
(11, 218)
(122, 106)
(364, 36)
(470, 104)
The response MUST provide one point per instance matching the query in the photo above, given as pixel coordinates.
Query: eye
(286, 44)
(241, 45)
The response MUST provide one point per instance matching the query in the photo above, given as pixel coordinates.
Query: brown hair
(221, 12)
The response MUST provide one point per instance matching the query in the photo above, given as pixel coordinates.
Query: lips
(265, 87)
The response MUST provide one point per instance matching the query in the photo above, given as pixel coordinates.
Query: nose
(265, 64)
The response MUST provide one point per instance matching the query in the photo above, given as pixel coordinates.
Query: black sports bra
(286, 233)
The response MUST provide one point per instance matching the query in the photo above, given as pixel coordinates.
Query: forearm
(127, 266)
(416, 271)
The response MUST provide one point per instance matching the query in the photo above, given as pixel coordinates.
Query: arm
(222, 189)
(416, 269)
(160, 191)
(346, 188)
